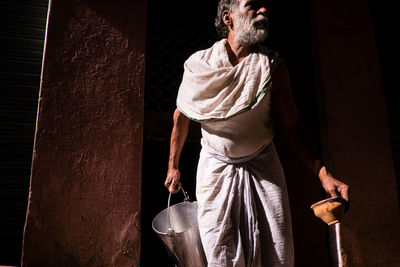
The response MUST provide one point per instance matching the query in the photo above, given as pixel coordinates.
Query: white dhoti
(244, 213)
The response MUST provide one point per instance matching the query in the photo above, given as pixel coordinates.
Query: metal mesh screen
(175, 30)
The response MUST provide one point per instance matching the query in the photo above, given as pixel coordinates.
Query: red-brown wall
(355, 130)
(84, 205)
(84, 202)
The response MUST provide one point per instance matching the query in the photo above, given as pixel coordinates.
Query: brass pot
(330, 210)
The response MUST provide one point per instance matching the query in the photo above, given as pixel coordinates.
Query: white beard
(250, 30)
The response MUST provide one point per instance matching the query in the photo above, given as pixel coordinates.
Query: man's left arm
(285, 114)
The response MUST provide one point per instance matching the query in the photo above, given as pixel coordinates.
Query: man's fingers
(178, 186)
(345, 195)
(332, 192)
(174, 187)
(167, 183)
(171, 189)
(344, 191)
(172, 182)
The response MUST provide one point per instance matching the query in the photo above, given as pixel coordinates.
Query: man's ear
(226, 18)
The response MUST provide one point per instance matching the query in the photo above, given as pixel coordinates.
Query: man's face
(250, 22)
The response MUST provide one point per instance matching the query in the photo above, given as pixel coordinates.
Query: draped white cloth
(231, 102)
(243, 210)
(213, 89)
(244, 215)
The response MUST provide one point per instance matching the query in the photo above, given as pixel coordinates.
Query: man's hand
(333, 186)
(172, 182)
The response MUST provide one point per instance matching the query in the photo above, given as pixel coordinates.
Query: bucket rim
(162, 233)
(176, 233)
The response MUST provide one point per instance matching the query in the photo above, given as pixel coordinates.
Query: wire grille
(174, 32)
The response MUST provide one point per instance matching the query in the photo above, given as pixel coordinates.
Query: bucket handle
(170, 230)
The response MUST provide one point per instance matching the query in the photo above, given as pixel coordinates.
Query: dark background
(175, 30)
(170, 41)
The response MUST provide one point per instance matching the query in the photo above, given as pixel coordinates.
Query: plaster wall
(355, 130)
(84, 201)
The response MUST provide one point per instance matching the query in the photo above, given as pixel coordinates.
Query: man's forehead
(261, 2)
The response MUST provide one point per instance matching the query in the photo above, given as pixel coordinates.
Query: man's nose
(262, 10)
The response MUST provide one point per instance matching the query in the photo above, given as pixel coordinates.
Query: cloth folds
(213, 89)
(244, 214)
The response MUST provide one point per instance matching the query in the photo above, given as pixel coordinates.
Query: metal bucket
(177, 228)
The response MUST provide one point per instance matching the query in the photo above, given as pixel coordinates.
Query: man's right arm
(178, 138)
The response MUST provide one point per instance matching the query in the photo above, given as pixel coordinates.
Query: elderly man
(236, 89)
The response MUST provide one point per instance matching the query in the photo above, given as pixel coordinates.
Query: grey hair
(223, 5)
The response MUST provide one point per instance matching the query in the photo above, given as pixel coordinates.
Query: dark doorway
(174, 32)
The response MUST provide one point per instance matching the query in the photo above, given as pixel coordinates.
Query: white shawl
(213, 89)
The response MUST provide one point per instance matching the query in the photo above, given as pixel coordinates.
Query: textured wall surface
(84, 203)
(355, 131)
